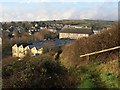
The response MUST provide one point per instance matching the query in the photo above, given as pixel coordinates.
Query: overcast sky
(34, 10)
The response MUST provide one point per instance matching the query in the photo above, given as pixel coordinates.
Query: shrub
(87, 84)
(106, 39)
(39, 73)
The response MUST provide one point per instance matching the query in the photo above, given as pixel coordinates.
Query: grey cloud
(50, 14)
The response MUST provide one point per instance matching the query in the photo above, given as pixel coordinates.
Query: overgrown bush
(104, 40)
(38, 73)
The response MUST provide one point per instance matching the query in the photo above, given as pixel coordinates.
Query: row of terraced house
(22, 49)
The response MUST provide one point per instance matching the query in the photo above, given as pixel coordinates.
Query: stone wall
(72, 35)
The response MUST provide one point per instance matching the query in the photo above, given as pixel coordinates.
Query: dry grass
(104, 40)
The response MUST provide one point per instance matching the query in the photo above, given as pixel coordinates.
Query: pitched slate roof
(38, 45)
(31, 45)
(24, 44)
(77, 30)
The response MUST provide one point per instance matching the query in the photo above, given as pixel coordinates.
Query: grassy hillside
(41, 72)
(68, 71)
(100, 70)
(104, 40)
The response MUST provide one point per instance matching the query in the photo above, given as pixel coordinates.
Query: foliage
(104, 40)
(42, 72)
(38, 73)
(87, 84)
(89, 76)
(109, 80)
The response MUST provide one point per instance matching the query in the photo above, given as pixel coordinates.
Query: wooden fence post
(97, 52)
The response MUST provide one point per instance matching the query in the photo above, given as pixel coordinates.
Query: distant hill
(84, 22)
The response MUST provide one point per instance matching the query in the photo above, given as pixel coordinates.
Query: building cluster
(11, 30)
(22, 49)
(66, 31)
